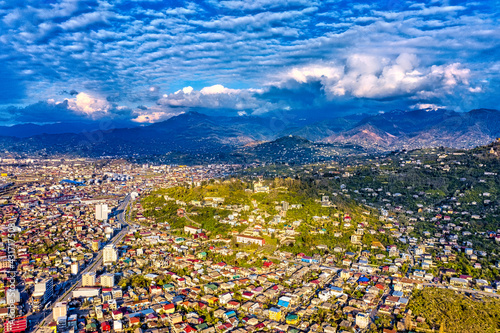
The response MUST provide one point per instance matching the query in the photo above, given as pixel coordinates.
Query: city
(220, 166)
(220, 248)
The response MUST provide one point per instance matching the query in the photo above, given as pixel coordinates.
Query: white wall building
(101, 212)
(88, 279)
(13, 296)
(44, 289)
(108, 280)
(109, 254)
(75, 268)
(60, 310)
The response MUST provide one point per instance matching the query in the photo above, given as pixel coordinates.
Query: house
(275, 314)
(284, 301)
(250, 240)
(176, 318)
(169, 308)
(362, 320)
(459, 282)
(226, 297)
(292, 319)
(188, 229)
(233, 305)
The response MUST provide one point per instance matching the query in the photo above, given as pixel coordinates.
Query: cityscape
(213, 166)
(107, 245)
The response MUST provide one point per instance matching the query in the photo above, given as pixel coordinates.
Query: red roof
(168, 306)
(189, 329)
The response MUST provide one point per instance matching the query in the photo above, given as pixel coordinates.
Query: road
(463, 290)
(94, 265)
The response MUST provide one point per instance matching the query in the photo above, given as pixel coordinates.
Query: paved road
(95, 264)
(464, 290)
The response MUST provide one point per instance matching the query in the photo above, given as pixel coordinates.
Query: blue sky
(144, 61)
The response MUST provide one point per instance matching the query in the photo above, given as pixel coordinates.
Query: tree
(441, 327)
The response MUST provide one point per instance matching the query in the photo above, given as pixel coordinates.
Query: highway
(94, 265)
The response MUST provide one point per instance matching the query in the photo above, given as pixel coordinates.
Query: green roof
(201, 326)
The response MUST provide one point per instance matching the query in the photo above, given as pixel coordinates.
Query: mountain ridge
(199, 133)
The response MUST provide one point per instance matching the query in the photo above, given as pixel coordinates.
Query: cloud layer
(148, 60)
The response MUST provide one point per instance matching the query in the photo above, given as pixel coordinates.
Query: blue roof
(230, 313)
(283, 303)
(363, 279)
(74, 182)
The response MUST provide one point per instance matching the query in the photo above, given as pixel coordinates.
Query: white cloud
(217, 97)
(263, 4)
(217, 89)
(88, 105)
(152, 117)
(180, 11)
(367, 76)
(452, 74)
(69, 44)
(303, 74)
(86, 19)
(427, 106)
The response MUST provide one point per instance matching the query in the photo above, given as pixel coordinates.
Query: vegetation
(453, 312)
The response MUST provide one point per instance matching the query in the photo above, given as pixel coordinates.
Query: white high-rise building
(88, 279)
(101, 212)
(13, 296)
(108, 280)
(60, 310)
(75, 268)
(43, 292)
(109, 254)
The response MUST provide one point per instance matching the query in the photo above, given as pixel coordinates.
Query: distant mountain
(323, 129)
(210, 137)
(28, 130)
(191, 132)
(421, 128)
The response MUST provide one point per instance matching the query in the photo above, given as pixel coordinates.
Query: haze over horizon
(135, 62)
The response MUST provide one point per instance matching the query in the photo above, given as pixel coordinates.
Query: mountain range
(200, 134)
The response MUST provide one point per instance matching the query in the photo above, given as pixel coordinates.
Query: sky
(136, 62)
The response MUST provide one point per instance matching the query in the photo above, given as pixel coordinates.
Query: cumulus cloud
(88, 105)
(218, 89)
(367, 76)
